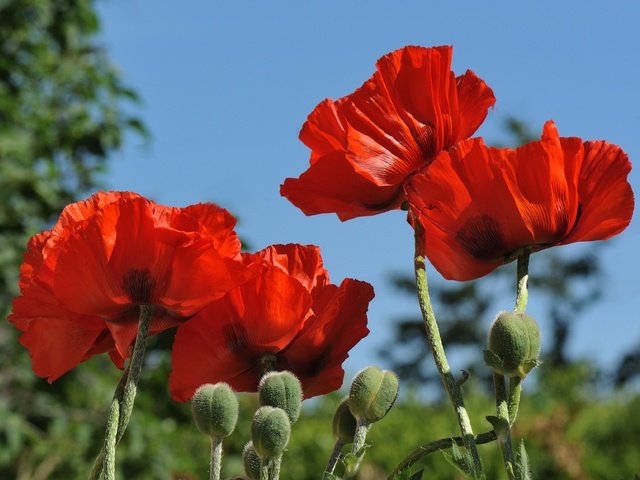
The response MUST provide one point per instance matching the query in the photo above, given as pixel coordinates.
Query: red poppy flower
(82, 282)
(290, 317)
(365, 145)
(480, 206)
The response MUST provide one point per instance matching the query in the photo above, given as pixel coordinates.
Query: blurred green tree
(63, 109)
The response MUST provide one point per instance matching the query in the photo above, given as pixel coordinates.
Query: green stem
(522, 294)
(437, 445)
(335, 456)
(515, 389)
(274, 470)
(433, 333)
(216, 458)
(135, 367)
(265, 464)
(360, 437)
(109, 466)
(99, 461)
(504, 431)
(126, 390)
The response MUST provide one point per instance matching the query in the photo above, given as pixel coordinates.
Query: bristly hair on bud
(282, 390)
(251, 461)
(270, 431)
(514, 345)
(215, 409)
(344, 423)
(373, 392)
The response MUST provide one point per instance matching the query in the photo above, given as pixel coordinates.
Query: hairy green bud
(270, 431)
(282, 390)
(373, 392)
(344, 423)
(251, 461)
(514, 344)
(215, 409)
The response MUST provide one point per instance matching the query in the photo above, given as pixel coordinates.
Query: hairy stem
(360, 437)
(109, 468)
(126, 390)
(216, 458)
(135, 367)
(504, 432)
(515, 389)
(335, 456)
(522, 294)
(433, 334)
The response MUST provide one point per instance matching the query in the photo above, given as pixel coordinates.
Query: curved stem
(504, 430)
(433, 333)
(135, 367)
(126, 390)
(435, 446)
(335, 456)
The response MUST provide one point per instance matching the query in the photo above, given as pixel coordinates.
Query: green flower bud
(373, 393)
(215, 409)
(282, 390)
(514, 345)
(251, 461)
(344, 423)
(270, 431)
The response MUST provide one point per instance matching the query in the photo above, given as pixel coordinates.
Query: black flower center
(235, 337)
(480, 236)
(139, 286)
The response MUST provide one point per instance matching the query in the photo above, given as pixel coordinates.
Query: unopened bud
(344, 423)
(251, 461)
(373, 392)
(215, 409)
(514, 344)
(270, 431)
(282, 390)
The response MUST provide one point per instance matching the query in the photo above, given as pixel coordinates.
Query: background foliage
(63, 109)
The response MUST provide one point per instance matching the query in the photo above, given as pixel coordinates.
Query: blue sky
(226, 87)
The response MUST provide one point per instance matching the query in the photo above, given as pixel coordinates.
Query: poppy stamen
(139, 286)
(235, 337)
(480, 236)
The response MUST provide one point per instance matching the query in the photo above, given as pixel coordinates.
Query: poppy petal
(340, 322)
(605, 195)
(58, 344)
(333, 185)
(364, 146)
(474, 100)
(303, 262)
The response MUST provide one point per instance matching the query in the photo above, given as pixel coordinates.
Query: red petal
(332, 185)
(605, 195)
(57, 345)
(229, 336)
(317, 353)
(303, 262)
(474, 100)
